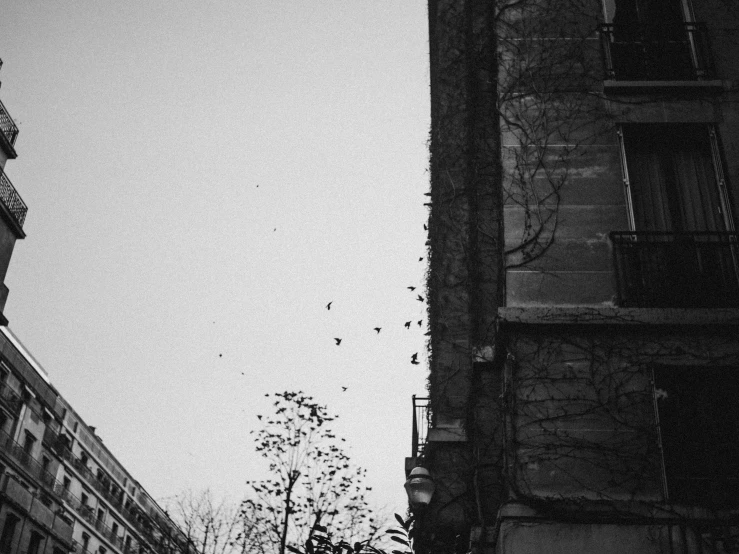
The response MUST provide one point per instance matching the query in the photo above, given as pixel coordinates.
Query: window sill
(637, 87)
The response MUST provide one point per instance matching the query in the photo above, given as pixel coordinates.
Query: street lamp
(420, 488)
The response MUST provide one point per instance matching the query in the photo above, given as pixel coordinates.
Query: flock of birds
(407, 325)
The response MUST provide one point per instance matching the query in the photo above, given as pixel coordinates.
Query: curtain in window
(673, 182)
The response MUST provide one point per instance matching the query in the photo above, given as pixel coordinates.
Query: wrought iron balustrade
(676, 270)
(420, 428)
(7, 125)
(12, 200)
(28, 462)
(658, 52)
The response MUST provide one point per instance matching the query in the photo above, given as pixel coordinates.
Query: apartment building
(61, 489)
(583, 278)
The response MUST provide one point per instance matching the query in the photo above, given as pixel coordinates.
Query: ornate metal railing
(420, 428)
(28, 462)
(676, 270)
(12, 200)
(660, 52)
(7, 125)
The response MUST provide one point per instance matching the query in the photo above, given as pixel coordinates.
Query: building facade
(583, 277)
(61, 489)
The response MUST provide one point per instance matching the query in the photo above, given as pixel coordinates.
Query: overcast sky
(202, 179)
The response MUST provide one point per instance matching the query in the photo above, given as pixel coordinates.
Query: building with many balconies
(61, 489)
(583, 278)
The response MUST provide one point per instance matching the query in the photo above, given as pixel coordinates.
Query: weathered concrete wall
(582, 418)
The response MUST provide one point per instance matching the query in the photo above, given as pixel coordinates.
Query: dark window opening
(6, 538)
(699, 427)
(34, 543)
(28, 443)
(653, 40)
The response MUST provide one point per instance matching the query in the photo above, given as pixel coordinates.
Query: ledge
(594, 315)
(615, 511)
(714, 85)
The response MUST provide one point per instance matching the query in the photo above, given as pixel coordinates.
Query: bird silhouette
(343, 389)
(328, 306)
(420, 259)
(425, 227)
(411, 289)
(259, 418)
(407, 324)
(420, 298)
(220, 355)
(414, 359)
(338, 341)
(378, 329)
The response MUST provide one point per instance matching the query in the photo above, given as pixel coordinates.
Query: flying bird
(407, 324)
(420, 298)
(338, 341)
(220, 355)
(414, 359)
(328, 306)
(420, 259)
(343, 389)
(425, 227)
(419, 322)
(411, 289)
(259, 418)
(378, 329)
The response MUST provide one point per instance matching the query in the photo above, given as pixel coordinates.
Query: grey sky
(202, 179)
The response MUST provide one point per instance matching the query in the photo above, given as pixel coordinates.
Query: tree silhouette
(312, 479)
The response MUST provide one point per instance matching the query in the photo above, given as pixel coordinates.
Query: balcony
(12, 200)
(676, 270)
(420, 428)
(10, 399)
(7, 125)
(31, 465)
(660, 52)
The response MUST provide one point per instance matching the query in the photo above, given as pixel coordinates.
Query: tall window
(655, 40)
(699, 426)
(34, 543)
(28, 443)
(672, 177)
(6, 538)
(682, 253)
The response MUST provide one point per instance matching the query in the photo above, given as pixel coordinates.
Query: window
(654, 40)
(85, 542)
(28, 443)
(66, 482)
(699, 428)
(672, 177)
(34, 542)
(6, 538)
(681, 250)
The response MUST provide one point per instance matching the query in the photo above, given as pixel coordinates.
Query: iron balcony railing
(10, 398)
(421, 421)
(659, 52)
(676, 270)
(28, 462)
(7, 125)
(12, 200)
(131, 514)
